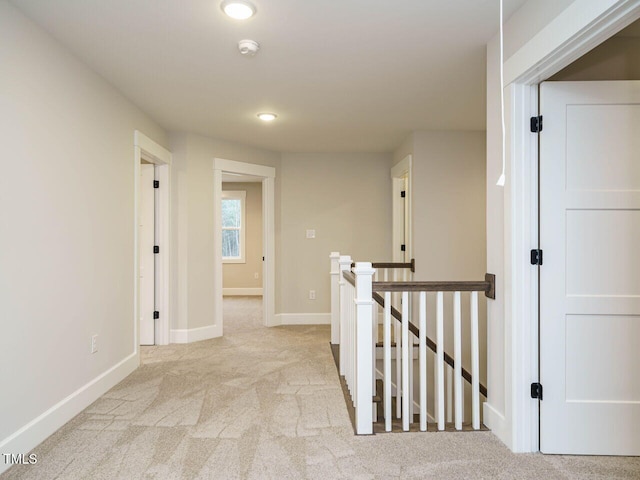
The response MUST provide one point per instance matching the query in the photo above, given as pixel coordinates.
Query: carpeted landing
(266, 403)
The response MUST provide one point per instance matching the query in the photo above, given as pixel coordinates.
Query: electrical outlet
(94, 344)
(311, 234)
(312, 294)
(256, 275)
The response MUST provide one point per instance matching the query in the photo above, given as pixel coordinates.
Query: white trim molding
(581, 26)
(34, 432)
(268, 174)
(190, 335)
(302, 319)
(401, 230)
(242, 292)
(497, 423)
(232, 166)
(242, 196)
(150, 151)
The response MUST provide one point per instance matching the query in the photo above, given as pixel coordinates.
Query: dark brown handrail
(488, 286)
(430, 343)
(349, 277)
(411, 265)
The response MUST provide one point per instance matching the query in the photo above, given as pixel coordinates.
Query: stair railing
(357, 327)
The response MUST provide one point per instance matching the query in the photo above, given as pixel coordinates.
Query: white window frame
(242, 196)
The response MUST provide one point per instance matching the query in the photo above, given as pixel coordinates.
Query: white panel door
(147, 260)
(590, 277)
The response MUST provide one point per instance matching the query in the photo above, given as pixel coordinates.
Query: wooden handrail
(349, 277)
(430, 343)
(411, 265)
(488, 286)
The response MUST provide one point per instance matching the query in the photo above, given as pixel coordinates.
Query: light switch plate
(311, 234)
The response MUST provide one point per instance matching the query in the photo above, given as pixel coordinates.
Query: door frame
(147, 149)
(268, 175)
(579, 28)
(398, 172)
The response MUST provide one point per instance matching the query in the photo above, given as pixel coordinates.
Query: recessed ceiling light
(238, 9)
(267, 117)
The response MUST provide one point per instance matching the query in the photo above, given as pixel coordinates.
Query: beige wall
(346, 198)
(528, 20)
(405, 148)
(192, 206)
(327, 192)
(449, 205)
(67, 239)
(448, 219)
(241, 275)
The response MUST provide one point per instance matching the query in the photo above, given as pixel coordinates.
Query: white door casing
(513, 318)
(153, 153)
(401, 208)
(147, 261)
(590, 277)
(268, 174)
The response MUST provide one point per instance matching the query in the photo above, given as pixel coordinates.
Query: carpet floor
(266, 403)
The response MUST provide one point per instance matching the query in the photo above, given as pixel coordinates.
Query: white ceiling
(343, 76)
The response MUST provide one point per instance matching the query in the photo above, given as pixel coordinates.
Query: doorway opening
(402, 250)
(242, 232)
(227, 239)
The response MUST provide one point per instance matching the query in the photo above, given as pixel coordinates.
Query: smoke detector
(248, 47)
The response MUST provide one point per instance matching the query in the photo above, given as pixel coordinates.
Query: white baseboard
(38, 429)
(497, 423)
(302, 319)
(193, 334)
(228, 292)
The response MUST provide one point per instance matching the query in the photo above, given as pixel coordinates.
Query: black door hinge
(403, 248)
(156, 315)
(156, 184)
(536, 124)
(403, 194)
(536, 391)
(156, 249)
(536, 257)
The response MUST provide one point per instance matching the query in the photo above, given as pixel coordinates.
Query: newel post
(344, 263)
(364, 348)
(335, 298)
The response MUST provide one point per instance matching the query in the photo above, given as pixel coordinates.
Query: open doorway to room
(402, 250)
(242, 232)
(223, 171)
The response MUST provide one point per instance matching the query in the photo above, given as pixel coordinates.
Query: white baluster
(449, 390)
(436, 404)
(405, 361)
(354, 340)
(411, 397)
(344, 264)
(387, 361)
(457, 357)
(475, 363)
(440, 359)
(335, 298)
(364, 343)
(398, 335)
(375, 326)
(422, 325)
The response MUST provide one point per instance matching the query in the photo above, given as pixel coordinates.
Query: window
(233, 226)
